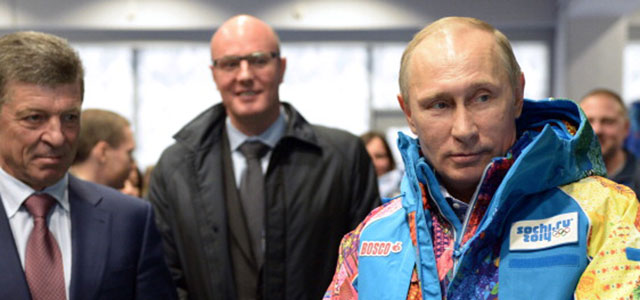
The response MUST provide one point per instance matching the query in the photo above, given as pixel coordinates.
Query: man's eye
(34, 118)
(259, 60)
(229, 63)
(439, 105)
(483, 98)
(70, 117)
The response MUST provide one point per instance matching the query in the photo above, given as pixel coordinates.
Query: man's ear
(283, 67)
(99, 152)
(407, 113)
(213, 76)
(519, 95)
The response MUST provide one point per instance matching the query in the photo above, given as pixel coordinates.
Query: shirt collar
(445, 193)
(270, 137)
(459, 207)
(14, 192)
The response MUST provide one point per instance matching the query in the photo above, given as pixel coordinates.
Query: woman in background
(133, 185)
(388, 176)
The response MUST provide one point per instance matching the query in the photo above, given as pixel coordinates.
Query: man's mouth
(247, 93)
(50, 158)
(466, 158)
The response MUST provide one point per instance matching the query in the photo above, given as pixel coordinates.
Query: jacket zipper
(455, 234)
(457, 253)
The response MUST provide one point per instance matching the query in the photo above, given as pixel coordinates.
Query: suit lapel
(13, 284)
(89, 234)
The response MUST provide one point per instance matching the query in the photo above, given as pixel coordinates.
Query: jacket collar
(576, 154)
(89, 237)
(206, 129)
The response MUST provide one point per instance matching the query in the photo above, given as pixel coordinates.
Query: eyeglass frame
(215, 62)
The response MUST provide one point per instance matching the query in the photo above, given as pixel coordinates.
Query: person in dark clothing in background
(608, 116)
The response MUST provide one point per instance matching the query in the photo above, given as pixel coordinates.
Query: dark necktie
(43, 260)
(252, 195)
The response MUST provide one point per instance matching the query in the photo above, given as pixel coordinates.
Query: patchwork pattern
(347, 270)
(613, 212)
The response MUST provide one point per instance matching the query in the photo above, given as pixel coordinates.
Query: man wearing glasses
(252, 200)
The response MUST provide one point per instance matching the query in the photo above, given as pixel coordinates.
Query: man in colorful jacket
(501, 197)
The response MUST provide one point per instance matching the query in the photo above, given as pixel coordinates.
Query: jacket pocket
(568, 260)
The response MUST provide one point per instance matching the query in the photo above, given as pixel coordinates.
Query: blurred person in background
(388, 176)
(609, 119)
(134, 184)
(146, 180)
(105, 148)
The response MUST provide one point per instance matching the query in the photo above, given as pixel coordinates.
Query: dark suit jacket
(116, 249)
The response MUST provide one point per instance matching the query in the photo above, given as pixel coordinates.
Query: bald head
(248, 70)
(240, 30)
(446, 30)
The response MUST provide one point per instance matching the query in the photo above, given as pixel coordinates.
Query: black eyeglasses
(255, 60)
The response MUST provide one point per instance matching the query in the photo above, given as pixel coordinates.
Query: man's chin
(249, 111)
(609, 152)
(464, 178)
(45, 178)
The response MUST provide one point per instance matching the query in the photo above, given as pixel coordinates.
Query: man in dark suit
(61, 237)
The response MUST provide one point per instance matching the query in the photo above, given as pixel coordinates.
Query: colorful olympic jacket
(542, 225)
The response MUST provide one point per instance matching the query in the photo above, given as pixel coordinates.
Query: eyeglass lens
(256, 60)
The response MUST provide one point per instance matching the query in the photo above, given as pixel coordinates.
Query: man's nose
(53, 134)
(464, 127)
(245, 71)
(597, 127)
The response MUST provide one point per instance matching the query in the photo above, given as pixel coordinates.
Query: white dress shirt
(270, 137)
(14, 192)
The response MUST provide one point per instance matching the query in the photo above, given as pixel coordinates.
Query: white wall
(282, 14)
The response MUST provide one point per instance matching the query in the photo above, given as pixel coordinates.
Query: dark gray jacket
(630, 173)
(320, 183)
